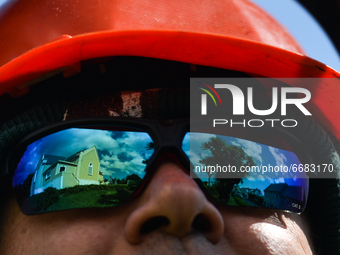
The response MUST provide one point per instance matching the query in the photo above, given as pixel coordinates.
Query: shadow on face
(171, 216)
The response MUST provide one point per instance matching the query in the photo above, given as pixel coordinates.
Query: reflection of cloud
(124, 157)
(192, 146)
(251, 148)
(106, 157)
(252, 176)
(280, 180)
(130, 146)
(279, 157)
(106, 172)
(256, 179)
(276, 180)
(193, 142)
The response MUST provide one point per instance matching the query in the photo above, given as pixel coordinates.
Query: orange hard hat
(39, 38)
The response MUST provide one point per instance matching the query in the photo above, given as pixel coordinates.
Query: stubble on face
(101, 231)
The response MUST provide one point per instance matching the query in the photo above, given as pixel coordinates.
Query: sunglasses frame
(167, 136)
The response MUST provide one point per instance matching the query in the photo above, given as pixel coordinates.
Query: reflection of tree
(224, 154)
(149, 146)
(133, 177)
(24, 188)
(133, 181)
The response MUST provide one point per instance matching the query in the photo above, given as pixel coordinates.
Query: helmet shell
(31, 23)
(39, 38)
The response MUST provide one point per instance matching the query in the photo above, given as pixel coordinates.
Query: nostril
(201, 223)
(154, 223)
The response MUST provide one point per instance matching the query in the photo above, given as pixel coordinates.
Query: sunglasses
(107, 162)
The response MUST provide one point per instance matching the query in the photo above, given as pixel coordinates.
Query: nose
(173, 204)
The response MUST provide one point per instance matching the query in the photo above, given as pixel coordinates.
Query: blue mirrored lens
(81, 167)
(240, 172)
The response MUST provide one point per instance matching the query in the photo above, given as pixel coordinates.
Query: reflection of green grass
(82, 196)
(232, 201)
(239, 201)
(81, 200)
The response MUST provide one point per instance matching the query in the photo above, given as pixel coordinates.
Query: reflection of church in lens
(81, 168)
(284, 196)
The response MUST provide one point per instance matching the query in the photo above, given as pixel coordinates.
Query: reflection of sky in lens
(263, 183)
(262, 154)
(120, 153)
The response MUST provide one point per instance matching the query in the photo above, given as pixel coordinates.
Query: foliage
(81, 196)
(240, 202)
(149, 146)
(256, 199)
(24, 188)
(133, 177)
(121, 196)
(223, 188)
(45, 199)
(211, 190)
(232, 201)
(224, 154)
(81, 188)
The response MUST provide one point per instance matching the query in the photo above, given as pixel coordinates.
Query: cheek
(262, 232)
(80, 237)
(278, 240)
(69, 232)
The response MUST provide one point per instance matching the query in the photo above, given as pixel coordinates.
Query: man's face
(171, 216)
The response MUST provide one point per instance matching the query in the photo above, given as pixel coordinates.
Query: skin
(190, 224)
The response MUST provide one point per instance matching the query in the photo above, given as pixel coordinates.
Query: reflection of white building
(283, 196)
(59, 172)
(245, 192)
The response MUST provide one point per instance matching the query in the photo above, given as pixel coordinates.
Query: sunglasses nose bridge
(170, 143)
(168, 132)
(169, 135)
(171, 147)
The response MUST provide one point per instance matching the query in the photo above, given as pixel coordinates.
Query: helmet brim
(65, 55)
